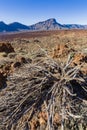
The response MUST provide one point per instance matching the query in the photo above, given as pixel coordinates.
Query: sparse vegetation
(42, 91)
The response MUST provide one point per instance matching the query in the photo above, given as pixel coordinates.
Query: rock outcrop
(6, 47)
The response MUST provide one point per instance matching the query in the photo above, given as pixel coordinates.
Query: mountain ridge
(49, 24)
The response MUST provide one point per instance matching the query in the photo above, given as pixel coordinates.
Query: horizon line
(41, 21)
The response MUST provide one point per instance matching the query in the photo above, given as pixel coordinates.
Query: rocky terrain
(43, 80)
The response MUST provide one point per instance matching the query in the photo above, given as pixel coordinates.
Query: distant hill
(75, 26)
(3, 27)
(12, 27)
(50, 24)
(18, 26)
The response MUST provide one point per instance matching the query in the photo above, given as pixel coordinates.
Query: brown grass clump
(61, 50)
(84, 69)
(57, 119)
(79, 58)
(34, 124)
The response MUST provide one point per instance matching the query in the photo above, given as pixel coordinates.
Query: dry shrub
(59, 92)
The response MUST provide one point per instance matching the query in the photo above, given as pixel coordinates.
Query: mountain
(18, 26)
(3, 27)
(50, 24)
(75, 26)
(12, 27)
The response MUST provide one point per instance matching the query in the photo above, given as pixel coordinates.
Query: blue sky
(31, 11)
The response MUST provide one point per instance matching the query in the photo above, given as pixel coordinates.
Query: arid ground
(43, 80)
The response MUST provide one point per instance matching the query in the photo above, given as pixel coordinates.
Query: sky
(32, 11)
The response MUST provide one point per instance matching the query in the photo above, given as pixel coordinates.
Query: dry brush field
(43, 80)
